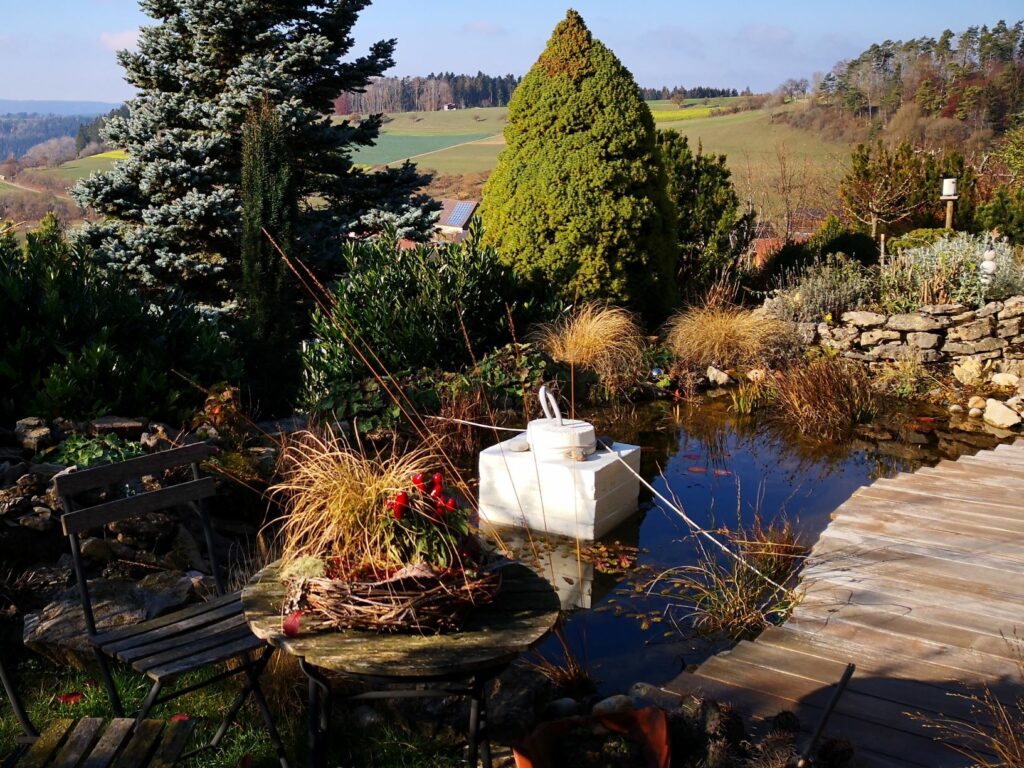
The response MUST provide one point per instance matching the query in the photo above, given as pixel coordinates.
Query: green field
(74, 170)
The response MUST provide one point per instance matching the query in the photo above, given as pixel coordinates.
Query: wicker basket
(424, 604)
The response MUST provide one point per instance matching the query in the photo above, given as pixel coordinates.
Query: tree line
(427, 94)
(21, 132)
(681, 92)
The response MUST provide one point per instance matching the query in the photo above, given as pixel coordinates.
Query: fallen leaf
(691, 456)
(697, 470)
(70, 698)
(722, 472)
(180, 717)
(291, 624)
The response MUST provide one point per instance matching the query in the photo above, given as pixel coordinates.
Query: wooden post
(950, 203)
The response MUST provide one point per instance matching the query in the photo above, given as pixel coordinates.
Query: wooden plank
(176, 736)
(929, 511)
(188, 648)
(109, 746)
(45, 747)
(80, 480)
(189, 632)
(142, 746)
(116, 639)
(151, 501)
(950, 488)
(79, 742)
(220, 653)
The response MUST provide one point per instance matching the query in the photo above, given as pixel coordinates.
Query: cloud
(765, 36)
(484, 28)
(116, 41)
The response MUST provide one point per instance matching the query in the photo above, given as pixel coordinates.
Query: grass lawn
(395, 147)
(74, 170)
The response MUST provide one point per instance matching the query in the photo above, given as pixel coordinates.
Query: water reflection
(723, 469)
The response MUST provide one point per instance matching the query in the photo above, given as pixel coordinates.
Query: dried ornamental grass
(825, 398)
(602, 339)
(727, 337)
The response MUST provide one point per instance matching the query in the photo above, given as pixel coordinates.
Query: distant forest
(961, 89)
(430, 93)
(679, 92)
(20, 132)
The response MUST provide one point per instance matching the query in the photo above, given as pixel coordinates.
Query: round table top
(523, 612)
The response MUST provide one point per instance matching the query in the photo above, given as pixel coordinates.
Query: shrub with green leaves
(825, 289)
(83, 452)
(77, 343)
(402, 310)
(949, 271)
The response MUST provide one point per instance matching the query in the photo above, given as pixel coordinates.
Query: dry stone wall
(940, 333)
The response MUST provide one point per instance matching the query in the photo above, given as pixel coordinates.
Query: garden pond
(722, 469)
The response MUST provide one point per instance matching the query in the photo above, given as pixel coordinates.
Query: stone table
(460, 663)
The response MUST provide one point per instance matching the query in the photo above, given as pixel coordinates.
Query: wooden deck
(918, 580)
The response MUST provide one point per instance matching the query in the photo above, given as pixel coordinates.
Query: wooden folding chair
(187, 640)
(87, 744)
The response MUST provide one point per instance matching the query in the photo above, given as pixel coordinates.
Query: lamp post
(949, 194)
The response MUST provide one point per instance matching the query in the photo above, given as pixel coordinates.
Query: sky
(64, 49)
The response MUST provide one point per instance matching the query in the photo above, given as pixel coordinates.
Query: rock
(956, 408)
(1005, 379)
(97, 549)
(39, 519)
(1016, 403)
(975, 413)
(976, 402)
(757, 375)
(988, 344)
(870, 338)
(965, 317)
(718, 378)
(58, 630)
(33, 434)
(923, 340)
(1012, 308)
(129, 429)
(1008, 328)
(157, 438)
(12, 471)
(979, 329)
(147, 532)
(807, 333)
(990, 309)
(613, 704)
(913, 323)
(863, 319)
(943, 309)
(564, 707)
(1000, 416)
(893, 351)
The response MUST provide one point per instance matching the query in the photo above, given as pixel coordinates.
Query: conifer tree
(578, 197)
(172, 208)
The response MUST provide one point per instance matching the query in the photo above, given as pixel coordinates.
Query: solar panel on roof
(460, 214)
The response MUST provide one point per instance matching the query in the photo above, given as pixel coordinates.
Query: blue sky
(63, 49)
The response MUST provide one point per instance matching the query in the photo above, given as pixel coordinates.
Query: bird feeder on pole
(950, 195)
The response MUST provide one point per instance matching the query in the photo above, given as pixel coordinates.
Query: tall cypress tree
(172, 207)
(578, 197)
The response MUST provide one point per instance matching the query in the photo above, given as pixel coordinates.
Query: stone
(965, 317)
(757, 375)
(1000, 416)
(154, 530)
(956, 408)
(990, 309)
(39, 519)
(943, 309)
(976, 413)
(979, 329)
(1016, 403)
(1012, 308)
(97, 549)
(892, 351)
(518, 446)
(12, 471)
(33, 434)
(718, 377)
(988, 344)
(564, 707)
(976, 402)
(870, 338)
(1005, 379)
(617, 703)
(924, 340)
(807, 333)
(129, 429)
(863, 319)
(58, 630)
(913, 323)
(1008, 328)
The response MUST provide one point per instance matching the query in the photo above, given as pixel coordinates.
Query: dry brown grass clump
(334, 497)
(727, 337)
(598, 338)
(824, 398)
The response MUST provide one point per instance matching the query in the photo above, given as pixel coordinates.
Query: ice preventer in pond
(558, 479)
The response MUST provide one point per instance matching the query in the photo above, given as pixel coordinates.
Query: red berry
(418, 481)
(438, 481)
(451, 505)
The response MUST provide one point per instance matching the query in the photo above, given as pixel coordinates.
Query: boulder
(718, 378)
(1012, 308)
(956, 409)
(924, 340)
(914, 323)
(611, 705)
(943, 309)
(1005, 379)
(863, 319)
(976, 402)
(893, 350)
(1016, 403)
(973, 331)
(58, 630)
(988, 344)
(991, 309)
(975, 413)
(806, 333)
(1008, 328)
(1000, 416)
(33, 434)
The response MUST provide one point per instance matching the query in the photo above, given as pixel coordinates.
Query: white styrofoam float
(557, 480)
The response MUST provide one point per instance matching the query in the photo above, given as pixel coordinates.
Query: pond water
(720, 468)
